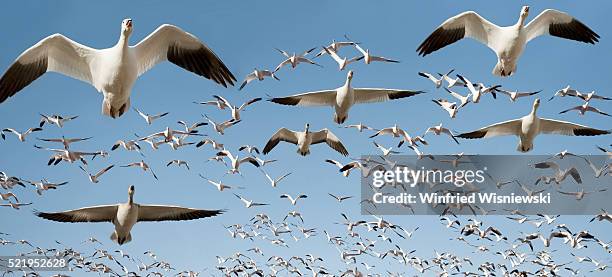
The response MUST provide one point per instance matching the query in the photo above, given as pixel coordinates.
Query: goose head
(306, 128)
(131, 193)
(349, 76)
(523, 15)
(126, 27)
(536, 105)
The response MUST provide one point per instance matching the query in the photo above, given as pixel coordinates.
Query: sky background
(244, 35)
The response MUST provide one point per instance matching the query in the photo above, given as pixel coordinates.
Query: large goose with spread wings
(114, 70)
(344, 97)
(304, 139)
(528, 127)
(125, 215)
(507, 42)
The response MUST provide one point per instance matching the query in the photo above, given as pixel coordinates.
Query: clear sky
(244, 35)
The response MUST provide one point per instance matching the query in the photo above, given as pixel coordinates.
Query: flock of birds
(114, 70)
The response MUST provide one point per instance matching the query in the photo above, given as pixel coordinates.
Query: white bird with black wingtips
(113, 71)
(304, 139)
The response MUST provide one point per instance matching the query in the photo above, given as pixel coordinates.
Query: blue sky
(244, 35)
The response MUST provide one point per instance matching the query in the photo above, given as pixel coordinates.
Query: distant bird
(438, 130)
(604, 215)
(213, 143)
(344, 97)
(579, 195)
(509, 42)
(7, 196)
(193, 128)
(342, 62)
(150, 118)
(340, 198)
(293, 200)
(125, 215)
(113, 71)
(179, 163)
(450, 107)
(339, 165)
(295, 59)
(220, 127)
(476, 90)
(249, 148)
(55, 119)
(590, 96)
(463, 100)
(274, 181)
(582, 109)
(514, 95)
(130, 145)
(437, 81)
(566, 91)
(560, 174)
(20, 136)
(369, 58)
(94, 178)
(304, 139)
(64, 141)
(235, 110)
(257, 75)
(530, 126)
(236, 161)
(335, 46)
(144, 166)
(69, 155)
(385, 151)
(220, 186)
(360, 127)
(15, 206)
(249, 203)
(45, 185)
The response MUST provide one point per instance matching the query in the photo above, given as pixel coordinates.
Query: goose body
(344, 97)
(530, 126)
(507, 42)
(125, 215)
(113, 71)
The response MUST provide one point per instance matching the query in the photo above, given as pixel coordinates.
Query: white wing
(468, 24)
(551, 126)
(316, 98)
(283, 134)
(328, 137)
(510, 127)
(559, 24)
(55, 53)
(171, 43)
(165, 213)
(370, 95)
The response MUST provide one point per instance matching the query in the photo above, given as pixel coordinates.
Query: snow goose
(560, 174)
(385, 151)
(235, 110)
(193, 128)
(360, 127)
(64, 141)
(149, 118)
(219, 185)
(582, 109)
(293, 200)
(55, 119)
(249, 203)
(437, 81)
(530, 126)
(178, 163)
(15, 206)
(339, 165)
(20, 136)
(95, 178)
(125, 215)
(477, 90)
(606, 151)
(167, 134)
(45, 185)
(342, 62)
(129, 145)
(579, 195)
(335, 46)
(304, 139)
(463, 99)
(144, 166)
(514, 95)
(394, 131)
(295, 59)
(344, 97)
(220, 127)
(274, 182)
(438, 130)
(257, 75)
(450, 107)
(236, 161)
(213, 143)
(8, 195)
(369, 58)
(114, 70)
(591, 95)
(366, 168)
(508, 42)
(249, 149)
(69, 156)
